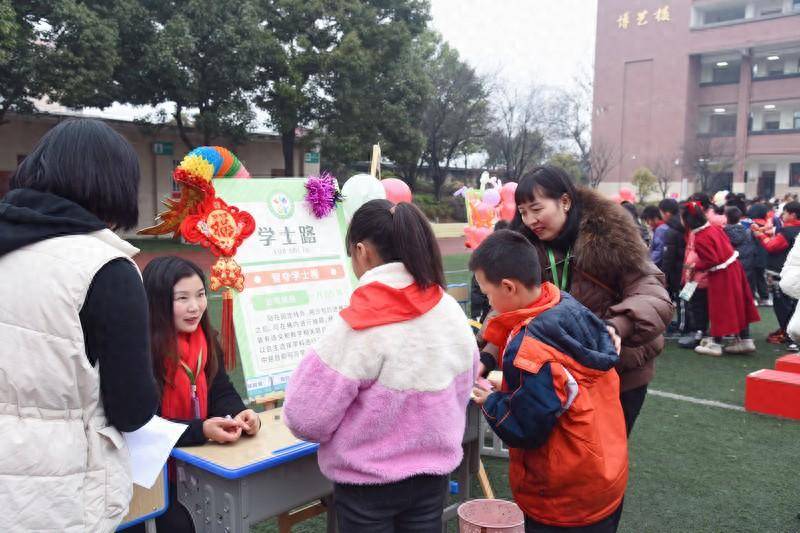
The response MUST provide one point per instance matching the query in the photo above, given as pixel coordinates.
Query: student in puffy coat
(385, 390)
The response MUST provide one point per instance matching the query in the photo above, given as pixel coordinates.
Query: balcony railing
(775, 132)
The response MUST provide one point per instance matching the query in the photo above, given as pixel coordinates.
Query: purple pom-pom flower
(322, 194)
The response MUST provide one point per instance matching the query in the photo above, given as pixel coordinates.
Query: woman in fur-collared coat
(590, 247)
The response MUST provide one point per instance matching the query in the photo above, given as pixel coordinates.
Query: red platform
(789, 363)
(773, 392)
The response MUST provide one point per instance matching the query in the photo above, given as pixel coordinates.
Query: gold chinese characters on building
(641, 18)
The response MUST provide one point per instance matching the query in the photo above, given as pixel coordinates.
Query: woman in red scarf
(189, 369)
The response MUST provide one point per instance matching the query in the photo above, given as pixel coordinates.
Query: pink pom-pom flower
(322, 194)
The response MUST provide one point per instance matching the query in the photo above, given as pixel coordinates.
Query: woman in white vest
(74, 358)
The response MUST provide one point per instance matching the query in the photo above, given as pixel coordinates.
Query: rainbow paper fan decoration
(194, 175)
(202, 218)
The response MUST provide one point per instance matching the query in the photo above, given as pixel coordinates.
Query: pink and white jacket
(385, 390)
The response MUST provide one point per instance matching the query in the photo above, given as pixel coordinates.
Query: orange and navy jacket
(559, 411)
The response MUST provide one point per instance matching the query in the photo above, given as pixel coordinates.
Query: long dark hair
(160, 277)
(86, 162)
(693, 214)
(399, 233)
(553, 183)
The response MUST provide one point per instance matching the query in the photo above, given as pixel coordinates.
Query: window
(772, 121)
(726, 14)
(794, 175)
(772, 8)
(726, 73)
(796, 4)
(723, 125)
(775, 68)
(797, 120)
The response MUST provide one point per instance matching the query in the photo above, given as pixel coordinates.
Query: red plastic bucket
(490, 516)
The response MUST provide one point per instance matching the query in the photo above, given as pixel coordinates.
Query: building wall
(262, 156)
(653, 90)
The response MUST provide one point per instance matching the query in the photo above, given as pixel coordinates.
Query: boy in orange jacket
(557, 407)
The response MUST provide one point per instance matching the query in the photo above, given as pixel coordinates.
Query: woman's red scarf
(176, 400)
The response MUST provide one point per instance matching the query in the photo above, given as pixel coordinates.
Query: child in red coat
(730, 301)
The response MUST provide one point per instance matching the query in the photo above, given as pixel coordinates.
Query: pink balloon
(507, 211)
(475, 236)
(507, 191)
(396, 190)
(491, 197)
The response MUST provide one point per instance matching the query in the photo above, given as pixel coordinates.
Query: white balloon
(359, 190)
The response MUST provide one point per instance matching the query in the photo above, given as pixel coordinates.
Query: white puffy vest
(62, 466)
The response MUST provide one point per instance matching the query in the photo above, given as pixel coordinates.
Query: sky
(516, 43)
(521, 42)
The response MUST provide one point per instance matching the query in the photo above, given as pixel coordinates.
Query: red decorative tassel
(227, 332)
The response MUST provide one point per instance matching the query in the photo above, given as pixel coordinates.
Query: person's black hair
(86, 162)
(630, 208)
(793, 208)
(758, 211)
(703, 198)
(502, 224)
(651, 212)
(160, 277)
(507, 254)
(553, 183)
(733, 214)
(399, 233)
(669, 205)
(693, 217)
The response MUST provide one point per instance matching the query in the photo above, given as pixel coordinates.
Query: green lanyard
(192, 375)
(554, 270)
(194, 401)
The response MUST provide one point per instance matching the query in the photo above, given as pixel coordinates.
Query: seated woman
(188, 366)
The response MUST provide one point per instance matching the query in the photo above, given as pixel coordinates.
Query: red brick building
(705, 91)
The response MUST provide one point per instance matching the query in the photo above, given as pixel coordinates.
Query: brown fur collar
(608, 242)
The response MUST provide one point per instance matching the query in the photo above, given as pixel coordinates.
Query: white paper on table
(150, 446)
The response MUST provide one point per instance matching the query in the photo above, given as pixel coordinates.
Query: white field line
(698, 401)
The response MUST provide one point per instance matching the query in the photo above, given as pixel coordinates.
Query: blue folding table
(228, 488)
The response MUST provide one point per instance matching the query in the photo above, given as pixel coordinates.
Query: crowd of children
(705, 246)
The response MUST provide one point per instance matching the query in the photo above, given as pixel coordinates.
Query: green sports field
(694, 468)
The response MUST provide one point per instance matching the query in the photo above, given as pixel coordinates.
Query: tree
(456, 113)
(378, 94)
(570, 116)
(516, 141)
(570, 163)
(706, 158)
(600, 160)
(61, 48)
(201, 56)
(328, 51)
(664, 171)
(645, 182)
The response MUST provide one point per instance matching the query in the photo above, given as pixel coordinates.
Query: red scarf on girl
(176, 400)
(376, 304)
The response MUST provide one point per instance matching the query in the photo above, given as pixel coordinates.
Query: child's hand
(615, 338)
(480, 394)
(250, 421)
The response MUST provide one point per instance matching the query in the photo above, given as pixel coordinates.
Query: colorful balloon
(491, 197)
(396, 190)
(358, 190)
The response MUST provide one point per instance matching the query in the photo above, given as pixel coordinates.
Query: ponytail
(399, 233)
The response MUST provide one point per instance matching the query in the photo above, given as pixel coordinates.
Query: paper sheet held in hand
(150, 447)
